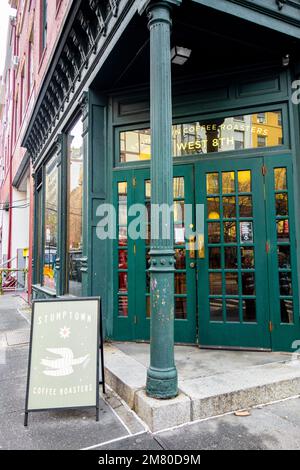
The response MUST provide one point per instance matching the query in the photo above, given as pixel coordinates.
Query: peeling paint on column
(153, 283)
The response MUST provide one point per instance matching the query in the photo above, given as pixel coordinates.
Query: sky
(5, 12)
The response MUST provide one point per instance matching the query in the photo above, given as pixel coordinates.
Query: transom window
(215, 135)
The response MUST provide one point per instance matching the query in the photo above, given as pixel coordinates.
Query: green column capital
(149, 4)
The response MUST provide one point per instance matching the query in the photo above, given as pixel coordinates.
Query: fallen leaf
(242, 413)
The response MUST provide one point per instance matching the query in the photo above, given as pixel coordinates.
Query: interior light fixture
(179, 55)
(286, 60)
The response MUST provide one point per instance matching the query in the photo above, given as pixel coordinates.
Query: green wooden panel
(207, 96)
(98, 181)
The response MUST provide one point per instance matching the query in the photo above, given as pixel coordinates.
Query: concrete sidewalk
(211, 382)
(276, 426)
(52, 430)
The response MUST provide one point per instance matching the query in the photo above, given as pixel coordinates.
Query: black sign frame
(100, 349)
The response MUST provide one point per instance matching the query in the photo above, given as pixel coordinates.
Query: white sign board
(63, 370)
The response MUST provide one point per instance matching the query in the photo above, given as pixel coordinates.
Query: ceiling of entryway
(219, 43)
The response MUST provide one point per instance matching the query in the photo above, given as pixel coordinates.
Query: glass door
(123, 259)
(185, 273)
(240, 279)
(132, 254)
(232, 267)
(284, 307)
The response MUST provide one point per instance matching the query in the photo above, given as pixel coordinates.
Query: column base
(162, 383)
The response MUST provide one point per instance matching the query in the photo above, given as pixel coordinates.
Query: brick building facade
(32, 37)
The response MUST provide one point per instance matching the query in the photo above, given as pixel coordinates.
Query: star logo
(65, 332)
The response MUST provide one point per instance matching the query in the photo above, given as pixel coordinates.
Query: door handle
(201, 246)
(192, 265)
(192, 249)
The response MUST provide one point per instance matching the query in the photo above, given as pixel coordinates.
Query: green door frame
(227, 334)
(136, 326)
(124, 301)
(218, 329)
(283, 334)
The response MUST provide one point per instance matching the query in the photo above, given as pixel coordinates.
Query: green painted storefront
(238, 286)
(214, 314)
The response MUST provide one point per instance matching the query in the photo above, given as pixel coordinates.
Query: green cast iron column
(86, 220)
(162, 373)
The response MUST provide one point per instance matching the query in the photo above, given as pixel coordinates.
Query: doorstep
(211, 383)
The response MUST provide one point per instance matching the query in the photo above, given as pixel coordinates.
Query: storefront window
(51, 219)
(39, 208)
(75, 200)
(249, 131)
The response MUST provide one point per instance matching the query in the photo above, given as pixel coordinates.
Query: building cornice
(22, 169)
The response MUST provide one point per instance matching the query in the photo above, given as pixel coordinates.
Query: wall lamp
(179, 55)
(286, 60)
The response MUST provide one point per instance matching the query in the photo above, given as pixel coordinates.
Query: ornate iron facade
(90, 25)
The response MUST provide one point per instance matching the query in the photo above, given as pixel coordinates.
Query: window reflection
(180, 308)
(51, 200)
(284, 257)
(285, 283)
(229, 207)
(247, 258)
(178, 188)
(244, 181)
(215, 258)
(216, 309)
(180, 258)
(39, 247)
(135, 145)
(180, 283)
(249, 310)
(231, 261)
(281, 200)
(228, 182)
(232, 283)
(283, 230)
(214, 234)
(232, 310)
(245, 205)
(229, 232)
(214, 135)
(280, 179)
(123, 259)
(213, 207)
(75, 200)
(287, 311)
(215, 281)
(123, 306)
(212, 183)
(248, 281)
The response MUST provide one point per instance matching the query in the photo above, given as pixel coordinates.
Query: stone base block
(162, 414)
